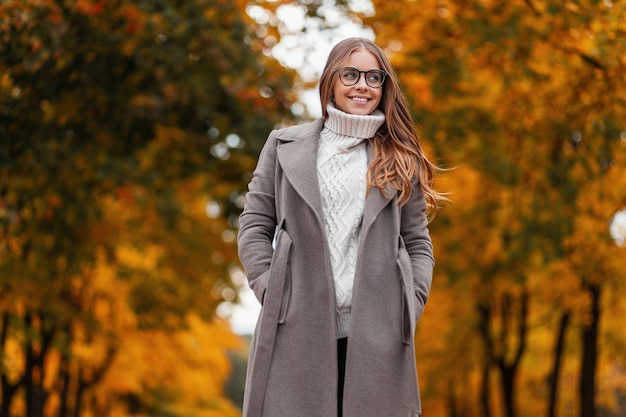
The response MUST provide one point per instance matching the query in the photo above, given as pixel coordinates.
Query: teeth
(363, 100)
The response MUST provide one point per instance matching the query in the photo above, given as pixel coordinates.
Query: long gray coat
(292, 369)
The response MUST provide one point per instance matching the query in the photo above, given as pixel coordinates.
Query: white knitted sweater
(342, 168)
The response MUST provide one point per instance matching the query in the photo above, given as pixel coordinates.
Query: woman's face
(359, 98)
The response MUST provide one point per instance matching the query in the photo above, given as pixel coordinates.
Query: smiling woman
(335, 245)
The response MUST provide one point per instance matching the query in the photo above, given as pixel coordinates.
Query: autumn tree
(120, 124)
(531, 96)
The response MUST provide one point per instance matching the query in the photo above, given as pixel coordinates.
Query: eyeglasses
(350, 76)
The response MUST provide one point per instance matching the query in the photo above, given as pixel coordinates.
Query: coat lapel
(374, 202)
(297, 155)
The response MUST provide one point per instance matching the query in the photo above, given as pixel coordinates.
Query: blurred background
(128, 133)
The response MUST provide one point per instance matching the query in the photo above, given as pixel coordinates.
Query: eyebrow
(371, 69)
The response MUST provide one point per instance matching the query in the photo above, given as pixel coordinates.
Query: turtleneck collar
(353, 125)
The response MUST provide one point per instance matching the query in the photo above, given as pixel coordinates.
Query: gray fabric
(292, 370)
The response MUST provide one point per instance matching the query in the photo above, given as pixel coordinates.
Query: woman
(335, 245)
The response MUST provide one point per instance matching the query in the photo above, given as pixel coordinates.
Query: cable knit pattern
(342, 168)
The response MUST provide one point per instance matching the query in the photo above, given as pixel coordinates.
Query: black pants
(342, 347)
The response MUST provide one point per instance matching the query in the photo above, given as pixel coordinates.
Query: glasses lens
(349, 76)
(374, 78)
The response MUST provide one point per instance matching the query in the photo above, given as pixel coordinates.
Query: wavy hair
(398, 155)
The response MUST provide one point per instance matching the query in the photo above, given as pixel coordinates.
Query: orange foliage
(119, 116)
(526, 100)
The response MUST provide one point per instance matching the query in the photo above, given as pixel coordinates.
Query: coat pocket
(281, 271)
(408, 298)
(284, 302)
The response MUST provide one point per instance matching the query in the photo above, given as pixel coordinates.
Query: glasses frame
(356, 81)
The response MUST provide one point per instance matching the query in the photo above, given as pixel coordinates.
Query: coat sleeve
(416, 236)
(257, 222)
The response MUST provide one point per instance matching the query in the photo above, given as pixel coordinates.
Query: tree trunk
(64, 375)
(508, 370)
(484, 390)
(558, 358)
(590, 356)
(507, 375)
(29, 372)
(33, 384)
(8, 391)
(80, 393)
(452, 404)
(484, 314)
(513, 320)
(34, 372)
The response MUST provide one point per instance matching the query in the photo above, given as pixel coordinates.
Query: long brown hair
(398, 155)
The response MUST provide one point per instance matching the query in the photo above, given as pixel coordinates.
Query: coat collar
(297, 155)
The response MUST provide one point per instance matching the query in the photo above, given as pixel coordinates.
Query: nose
(361, 83)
